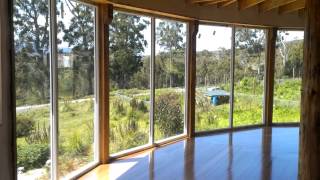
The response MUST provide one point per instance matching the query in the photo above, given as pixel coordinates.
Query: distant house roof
(217, 92)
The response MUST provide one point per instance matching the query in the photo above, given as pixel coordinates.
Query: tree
(170, 37)
(294, 65)
(253, 42)
(126, 47)
(31, 26)
(80, 36)
(291, 53)
(204, 58)
(282, 46)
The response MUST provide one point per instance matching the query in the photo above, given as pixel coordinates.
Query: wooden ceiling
(283, 6)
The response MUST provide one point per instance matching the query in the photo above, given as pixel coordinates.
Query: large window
(287, 77)
(129, 81)
(249, 71)
(213, 77)
(74, 141)
(76, 86)
(31, 34)
(169, 78)
(147, 80)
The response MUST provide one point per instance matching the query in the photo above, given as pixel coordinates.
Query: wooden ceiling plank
(214, 2)
(206, 1)
(244, 4)
(294, 6)
(271, 4)
(227, 3)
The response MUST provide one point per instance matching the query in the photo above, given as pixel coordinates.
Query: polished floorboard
(262, 153)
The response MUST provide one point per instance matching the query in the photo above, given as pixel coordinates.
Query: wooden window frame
(269, 114)
(152, 143)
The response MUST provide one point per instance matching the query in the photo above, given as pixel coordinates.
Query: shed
(218, 96)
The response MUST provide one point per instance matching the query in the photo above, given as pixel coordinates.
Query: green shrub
(90, 105)
(66, 105)
(24, 126)
(39, 135)
(142, 107)
(31, 156)
(134, 103)
(126, 134)
(168, 114)
(77, 145)
(118, 106)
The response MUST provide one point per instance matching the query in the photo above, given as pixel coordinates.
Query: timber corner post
(105, 15)
(269, 75)
(309, 151)
(191, 59)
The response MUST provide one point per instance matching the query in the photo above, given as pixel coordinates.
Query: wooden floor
(263, 153)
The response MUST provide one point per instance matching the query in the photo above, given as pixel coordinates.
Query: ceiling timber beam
(215, 2)
(186, 11)
(291, 7)
(271, 4)
(206, 1)
(244, 4)
(227, 3)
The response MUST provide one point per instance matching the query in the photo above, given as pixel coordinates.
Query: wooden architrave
(269, 75)
(309, 162)
(105, 15)
(191, 59)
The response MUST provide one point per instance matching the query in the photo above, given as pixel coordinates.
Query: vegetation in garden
(31, 25)
(75, 147)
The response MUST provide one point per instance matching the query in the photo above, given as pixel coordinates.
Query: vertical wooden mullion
(233, 57)
(105, 14)
(152, 80)
(191, 60)
(54, 116)
(269, 76)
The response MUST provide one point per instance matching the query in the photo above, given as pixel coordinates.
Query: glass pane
(169, 78)
(31, 35)
(213, 77)
(129, 81)
(287, 77)
(249, 76)
(76, 80)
